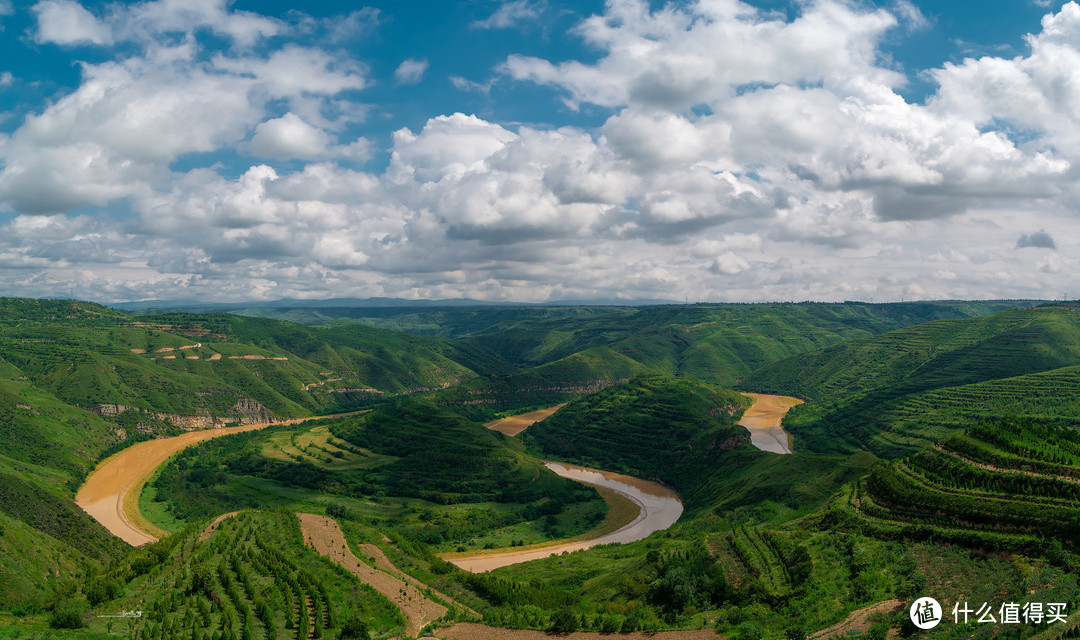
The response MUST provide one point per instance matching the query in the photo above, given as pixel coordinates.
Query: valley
(447, 481)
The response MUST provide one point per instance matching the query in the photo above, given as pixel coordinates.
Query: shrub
(356, 629)
(564, 621)
(67, 615)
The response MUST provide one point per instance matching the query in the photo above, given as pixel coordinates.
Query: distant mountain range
(197, 306)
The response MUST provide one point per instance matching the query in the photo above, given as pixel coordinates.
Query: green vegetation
(462, 485)
(769, 546)
(644, 427)
(996, 486)
(253, 578)
(896, 393)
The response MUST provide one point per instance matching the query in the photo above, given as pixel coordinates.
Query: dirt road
(111, 492)
(473, 631)
(857, 622)
(763, 420)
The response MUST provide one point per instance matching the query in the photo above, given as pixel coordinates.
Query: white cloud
(296, 71)
(410, 71)
(509, 14)
(148, 19)
(6, 79)
(910, 15)
(117, 133)
(6, 8)
(66, 22)
(742, 155)
(677, 58)
(464, 84)
(290, 137)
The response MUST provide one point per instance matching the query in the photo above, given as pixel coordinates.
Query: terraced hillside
(895, 393)
(1002, 485)
(250, 576)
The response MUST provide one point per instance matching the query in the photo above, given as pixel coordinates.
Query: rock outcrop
(245, 411)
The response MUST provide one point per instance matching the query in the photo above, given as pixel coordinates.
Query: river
(763, 419)
(659, 508)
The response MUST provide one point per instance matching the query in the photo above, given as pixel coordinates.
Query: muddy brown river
(111, 492)
(660, 508)
(763, 419)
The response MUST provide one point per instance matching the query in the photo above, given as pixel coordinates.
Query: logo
(925, 613)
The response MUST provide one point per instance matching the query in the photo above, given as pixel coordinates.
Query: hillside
(888, 394)
(421, 469)
(642, 427)
(998, 485)
(251, 576)
(78, 380)
(443, 457)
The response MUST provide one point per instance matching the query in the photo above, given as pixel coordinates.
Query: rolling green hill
(683, 433)
(642, 427)
(444, 457)
(423, 469)
(895, 393)
(78, 380)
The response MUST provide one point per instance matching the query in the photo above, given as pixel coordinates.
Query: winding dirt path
(763, 418)
(212, 527)
(858, 621)
(111, 492)
(325, 536)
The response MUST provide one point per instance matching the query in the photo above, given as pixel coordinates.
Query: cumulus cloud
(738, 154)
(410, 71)
(66, 22)
(290, 137)
(680, 57)
(116, 134)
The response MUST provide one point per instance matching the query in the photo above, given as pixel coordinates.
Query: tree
(564, 621)
(355, 629)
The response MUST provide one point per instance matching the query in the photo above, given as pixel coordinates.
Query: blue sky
(534, 149)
